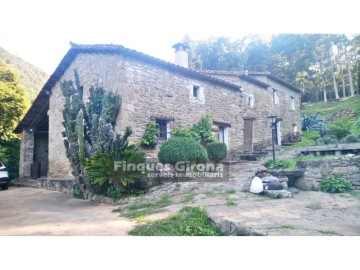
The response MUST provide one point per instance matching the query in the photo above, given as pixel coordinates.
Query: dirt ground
(306, 213)
(29, 211)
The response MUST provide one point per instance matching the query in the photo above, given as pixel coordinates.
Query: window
(222, 132)
(164, 127)
(295, 128)
(250, 101)
(275, 97)
(223, 135)
(292, 103)
(196, 90)
(196, 94)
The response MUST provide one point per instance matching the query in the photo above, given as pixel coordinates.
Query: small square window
(292, 103)
(164, 129)
(196, 90)
(275, 97)
(250, 101)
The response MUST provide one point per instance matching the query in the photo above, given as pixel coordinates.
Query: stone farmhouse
(155, 90)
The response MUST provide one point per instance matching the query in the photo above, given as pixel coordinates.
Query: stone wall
(146, 91)
(283, 108)
(263, 106)
(26, 154)
(316, 170)
(59, 165)
(149, 91)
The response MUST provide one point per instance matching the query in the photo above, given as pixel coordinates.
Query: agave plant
(312, 122)
(119, 168)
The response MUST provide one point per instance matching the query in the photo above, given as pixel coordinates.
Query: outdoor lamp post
(272, 122)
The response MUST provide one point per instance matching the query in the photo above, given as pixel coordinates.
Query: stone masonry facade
(149, 91)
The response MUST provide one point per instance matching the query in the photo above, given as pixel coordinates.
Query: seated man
(269, 182)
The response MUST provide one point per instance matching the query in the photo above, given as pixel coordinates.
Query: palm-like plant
(101, 168)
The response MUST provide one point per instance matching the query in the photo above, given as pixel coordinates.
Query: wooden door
(248, 135)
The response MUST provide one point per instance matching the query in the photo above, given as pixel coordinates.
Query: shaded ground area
(242, 213)
(28, 211)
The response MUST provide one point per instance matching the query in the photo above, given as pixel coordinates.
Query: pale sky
(40, 31)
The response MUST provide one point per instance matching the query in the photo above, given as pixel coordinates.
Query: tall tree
(13, 99)
(347, 60)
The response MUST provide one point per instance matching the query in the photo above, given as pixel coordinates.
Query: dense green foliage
(329, 139)
(13, 100)
(217, 151)
(31, 77)
(203, 130)
(10, 155)
(339, 129)
(187, 222)
(280, 164)
(182, 149)
(102, 169)
(200, 131)
(89, 135)
(335, 183)
(13, 105)
(149, 139)
(181, 131)
(307, 61)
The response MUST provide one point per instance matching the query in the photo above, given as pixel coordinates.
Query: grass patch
(355, 193)
(142, 208)
(210, 193)
(280, 164)
(231, 203)
(306, 141)
(288, 226)
(192, 221)
(142, 219)
(328, 232)
(189, 197)
(326, 109)
(276, 196)
(230, 191)
(315, 205)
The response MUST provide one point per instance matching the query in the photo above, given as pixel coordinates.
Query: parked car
(4, 177)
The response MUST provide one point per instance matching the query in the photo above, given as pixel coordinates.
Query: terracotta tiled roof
(247, 75)
(233, 73)
(42, 100)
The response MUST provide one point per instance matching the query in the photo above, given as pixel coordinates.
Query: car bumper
(4, 180)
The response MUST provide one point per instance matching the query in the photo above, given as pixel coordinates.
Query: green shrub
(181, 131)
(350, 139)
(339, 129)
(101, 168)
(327, 140)
(187, 222)
(280, 164)
(217, 151)
(110, 191)
(335, 183)
(203, 129)
(200, 131)
(149, 139)
(10, 156)
(182, 149)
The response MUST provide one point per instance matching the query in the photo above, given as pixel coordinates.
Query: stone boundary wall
(316, 170)
(65, 186)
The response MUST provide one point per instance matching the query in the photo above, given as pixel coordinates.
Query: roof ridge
(117, 47)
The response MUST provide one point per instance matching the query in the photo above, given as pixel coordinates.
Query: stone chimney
(181, 54)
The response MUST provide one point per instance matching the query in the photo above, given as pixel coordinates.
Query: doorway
(248, 135)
